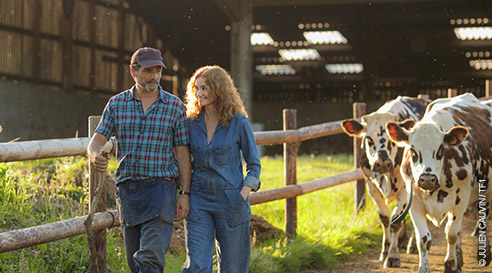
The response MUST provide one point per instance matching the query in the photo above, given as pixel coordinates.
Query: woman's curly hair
(221, 87)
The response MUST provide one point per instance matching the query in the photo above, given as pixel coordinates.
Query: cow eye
(440, 152)
(414, 155)
(370, 142)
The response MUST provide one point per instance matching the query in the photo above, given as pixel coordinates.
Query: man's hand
(182, 207)
(100, 160)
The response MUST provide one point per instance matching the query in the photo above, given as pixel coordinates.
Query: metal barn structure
(318, 56)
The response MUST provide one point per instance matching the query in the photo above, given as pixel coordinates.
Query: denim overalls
(216, 205)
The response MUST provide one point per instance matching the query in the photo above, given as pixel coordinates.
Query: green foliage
(31, 195)
(45, 191)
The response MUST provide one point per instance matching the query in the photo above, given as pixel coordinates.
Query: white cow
(380, 164)
(448, 165)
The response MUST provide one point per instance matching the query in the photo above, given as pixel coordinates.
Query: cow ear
(407, 124)
(396, 133)
(455, 135)
(352, 127)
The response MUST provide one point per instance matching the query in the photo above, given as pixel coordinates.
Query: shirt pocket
(195, 151)
(222, 155)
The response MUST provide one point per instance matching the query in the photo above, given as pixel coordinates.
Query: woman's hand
(245, 192)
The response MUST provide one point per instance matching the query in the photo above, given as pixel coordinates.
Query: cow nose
(382, 166)
(428, 182)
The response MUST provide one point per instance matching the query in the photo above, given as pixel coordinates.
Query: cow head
(380, 151)
(426, 143)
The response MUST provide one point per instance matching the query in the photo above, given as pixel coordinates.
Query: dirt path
(410, 262)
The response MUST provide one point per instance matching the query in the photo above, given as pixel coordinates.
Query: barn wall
(269, 114)
(32, 112)
(74, 45)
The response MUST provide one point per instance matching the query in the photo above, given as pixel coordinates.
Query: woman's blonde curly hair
(221, 87)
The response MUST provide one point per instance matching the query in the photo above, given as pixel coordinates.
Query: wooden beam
(242, 54)
(50, 148)
(304, 188)
(36, 42)
(488, 88)
(92, 34)
(290, 172)
(121, 45)
(276, 3)
(31, 236)
(66, 37)
(97, 261)
(228, 8)
(452, 92)
(359, 109)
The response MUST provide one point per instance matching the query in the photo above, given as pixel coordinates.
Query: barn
(60, 60)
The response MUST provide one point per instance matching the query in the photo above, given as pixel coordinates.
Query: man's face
(148, 78)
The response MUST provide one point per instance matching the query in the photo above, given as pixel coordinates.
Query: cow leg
(412, 244)
(459, 253)
(422, 234)
(384, 217)
(393, 258)
(403, 238)
(453, 237)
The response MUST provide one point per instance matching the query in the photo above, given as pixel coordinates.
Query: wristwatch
(184, 192)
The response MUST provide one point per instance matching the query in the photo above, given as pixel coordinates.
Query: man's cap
(147, 57)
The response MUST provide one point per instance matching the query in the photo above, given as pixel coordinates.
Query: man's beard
(144, 85)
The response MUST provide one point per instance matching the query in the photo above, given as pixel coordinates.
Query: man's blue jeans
(225, 213)
(147, 214)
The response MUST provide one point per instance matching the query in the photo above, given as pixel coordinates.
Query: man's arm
(184, 167)
(94, 152)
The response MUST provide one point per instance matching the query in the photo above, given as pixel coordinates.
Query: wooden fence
(290, 137)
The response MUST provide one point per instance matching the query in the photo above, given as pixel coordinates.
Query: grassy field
(39, 192)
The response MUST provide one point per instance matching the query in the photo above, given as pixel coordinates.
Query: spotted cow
(448, 165)
(380, 164)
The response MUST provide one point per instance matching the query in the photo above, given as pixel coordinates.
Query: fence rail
(39, 149)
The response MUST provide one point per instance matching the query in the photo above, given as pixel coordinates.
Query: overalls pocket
(239, 210)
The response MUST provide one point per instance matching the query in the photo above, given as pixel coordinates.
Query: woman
(219, 202)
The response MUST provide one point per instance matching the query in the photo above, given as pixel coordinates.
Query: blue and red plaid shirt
(146, 141)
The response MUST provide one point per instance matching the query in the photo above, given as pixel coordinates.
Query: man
(153, 149)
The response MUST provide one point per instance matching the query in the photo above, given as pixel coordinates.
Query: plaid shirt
(146, 141)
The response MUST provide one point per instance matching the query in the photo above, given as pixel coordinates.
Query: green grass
(328, 231)
(45, 191)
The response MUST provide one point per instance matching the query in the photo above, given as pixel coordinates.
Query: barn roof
(382, 40)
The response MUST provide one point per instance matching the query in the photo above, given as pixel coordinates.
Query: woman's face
(202, 93)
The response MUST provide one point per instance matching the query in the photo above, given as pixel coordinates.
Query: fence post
(488, 86)
(359, 109)
(290, 172)
(423, 97)
(452, 92)
(100, 236)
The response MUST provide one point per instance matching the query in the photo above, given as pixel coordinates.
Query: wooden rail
(306, 187)
(31, 236)
(22, 238)
(39, 149)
